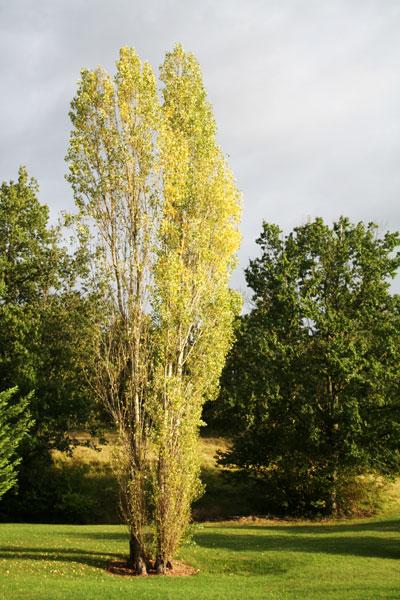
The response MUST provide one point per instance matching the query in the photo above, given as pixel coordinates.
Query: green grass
(245, 559)
(237, 560)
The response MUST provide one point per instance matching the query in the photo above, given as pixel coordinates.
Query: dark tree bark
(160, 567)
(136, 560)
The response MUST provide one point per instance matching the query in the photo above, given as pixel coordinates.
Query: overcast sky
(306, 95)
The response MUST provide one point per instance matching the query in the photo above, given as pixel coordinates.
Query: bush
(292, 494)
(363, 495)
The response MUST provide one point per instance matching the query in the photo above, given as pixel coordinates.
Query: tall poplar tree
(163, 210)
(113, 174)
(193, 303)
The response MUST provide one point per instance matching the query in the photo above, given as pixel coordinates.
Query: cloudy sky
(306, 95)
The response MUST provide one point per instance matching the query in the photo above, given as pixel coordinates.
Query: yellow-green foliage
(113, 171)
(193, 303)
(155, 187)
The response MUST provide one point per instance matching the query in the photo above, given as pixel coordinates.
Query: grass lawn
(237, 560)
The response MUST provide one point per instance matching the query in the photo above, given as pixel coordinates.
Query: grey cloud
(306, 95)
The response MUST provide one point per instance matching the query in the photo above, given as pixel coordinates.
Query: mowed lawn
(237, 560)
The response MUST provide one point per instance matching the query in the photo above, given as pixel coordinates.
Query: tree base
(178, 569)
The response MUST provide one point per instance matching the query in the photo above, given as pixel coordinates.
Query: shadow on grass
(94, 535)
(291, 541)
(327, 528)
(352, 539)
(241, 564)
(85, 557)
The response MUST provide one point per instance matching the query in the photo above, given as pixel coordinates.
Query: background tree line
(46, 319)
(309, 393)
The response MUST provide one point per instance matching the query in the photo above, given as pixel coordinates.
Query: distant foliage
(15, 422)
(46, 317)
(312, 384)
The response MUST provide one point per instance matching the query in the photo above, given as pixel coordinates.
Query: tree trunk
(333, 494)
(161, 566)
(332, 502)
(136, 559)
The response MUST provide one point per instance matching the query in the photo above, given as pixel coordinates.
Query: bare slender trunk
(332, 500)
(136, 560)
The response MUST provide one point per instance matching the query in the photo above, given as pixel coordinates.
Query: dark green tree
(15, 422)
(314, 376)
(46, 318)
